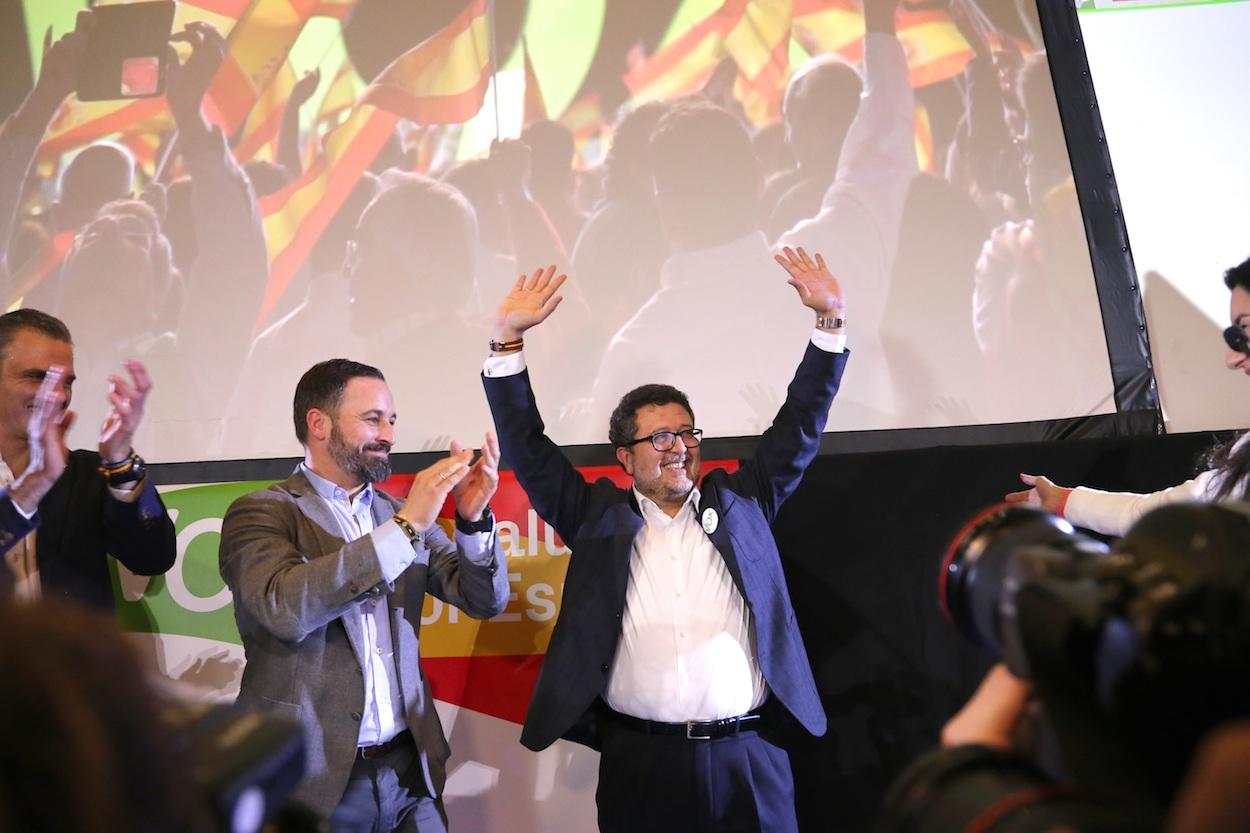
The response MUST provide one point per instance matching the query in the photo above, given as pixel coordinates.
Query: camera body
(1136, 651)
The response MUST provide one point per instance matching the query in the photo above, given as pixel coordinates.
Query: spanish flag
(259, 139)
(442, 80)
(39, 266)
(934, 47)
(340, 95)
(754, 33)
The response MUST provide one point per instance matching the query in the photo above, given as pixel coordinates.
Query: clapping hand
(127, 398)
(45, 433)
(474, 491)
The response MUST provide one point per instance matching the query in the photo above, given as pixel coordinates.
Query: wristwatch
(484, 524)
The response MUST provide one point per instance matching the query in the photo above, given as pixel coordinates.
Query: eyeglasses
(665, 440)
(1236, 338)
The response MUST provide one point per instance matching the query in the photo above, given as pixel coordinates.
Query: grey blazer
(293, 578)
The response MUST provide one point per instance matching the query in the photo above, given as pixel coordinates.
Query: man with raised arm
(676, 653)
(329, 575)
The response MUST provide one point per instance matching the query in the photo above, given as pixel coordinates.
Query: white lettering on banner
(542, 608)
(176, 581)
(436, 610)
(536, 530)
(509, 539)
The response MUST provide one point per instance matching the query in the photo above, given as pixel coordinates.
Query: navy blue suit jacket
(599, 520)
(79, 523)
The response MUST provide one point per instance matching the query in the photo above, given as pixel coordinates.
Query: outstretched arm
(25, 128)
(790, 443)
(556, 489)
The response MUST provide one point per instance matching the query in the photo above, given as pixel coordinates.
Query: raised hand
(510, 163)
(531, 300)
(1043, 494)
(45, 432)
(189, 80)
(127, 398)
(473, 493)
(430, 489)
(305, 87)
(62, 59)
(817, 288)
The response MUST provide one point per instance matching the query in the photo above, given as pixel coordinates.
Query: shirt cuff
(829, 342)
(131, 494)
(395, 552)
(509, 364)
(22, 511)
(478, 547)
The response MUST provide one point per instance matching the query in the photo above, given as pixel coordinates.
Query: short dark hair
(624, 421)
(322, 387)
(31, 319)
(706, 174)
(1238, 275)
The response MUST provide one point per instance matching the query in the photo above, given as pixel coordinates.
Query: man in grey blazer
(329, 575)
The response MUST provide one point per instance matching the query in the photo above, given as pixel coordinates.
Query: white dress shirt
(383, 715)
(687, 643)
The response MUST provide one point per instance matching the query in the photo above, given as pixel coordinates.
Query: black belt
(379, 749)
(693, 729)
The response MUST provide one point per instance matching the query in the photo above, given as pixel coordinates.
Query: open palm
(531, 300)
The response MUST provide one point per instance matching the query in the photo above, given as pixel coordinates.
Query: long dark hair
(1232, 459)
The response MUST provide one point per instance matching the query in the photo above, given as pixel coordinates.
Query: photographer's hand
(1045, 494)
(994, 714)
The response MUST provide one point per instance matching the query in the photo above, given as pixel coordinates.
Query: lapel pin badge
(710, 520)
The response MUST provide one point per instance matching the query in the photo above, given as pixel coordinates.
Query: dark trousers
(387, 794)
(654, 784)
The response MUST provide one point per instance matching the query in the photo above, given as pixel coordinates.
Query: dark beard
(356, 461)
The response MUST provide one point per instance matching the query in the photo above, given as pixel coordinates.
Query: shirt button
(604, 668)
(379, 650)
(356, 716)
(679, 594)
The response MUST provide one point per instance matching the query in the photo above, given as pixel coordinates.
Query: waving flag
(444, 79)
(441, 80)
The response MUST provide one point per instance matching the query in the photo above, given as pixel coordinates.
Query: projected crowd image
(367, 180)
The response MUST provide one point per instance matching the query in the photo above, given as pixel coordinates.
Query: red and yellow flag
(934, 47)
(40, 265)
(259, 139)
(340, 95)
(924, 139)
(441, 80)
(755, 33)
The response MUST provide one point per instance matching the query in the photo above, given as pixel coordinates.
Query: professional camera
(1136, 651)
(243, 765)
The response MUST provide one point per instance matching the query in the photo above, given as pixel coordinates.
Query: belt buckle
(690, 728)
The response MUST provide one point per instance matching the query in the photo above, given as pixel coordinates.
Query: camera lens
(984, 567)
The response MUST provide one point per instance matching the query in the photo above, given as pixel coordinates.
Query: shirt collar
(652, 511)
(332, 491)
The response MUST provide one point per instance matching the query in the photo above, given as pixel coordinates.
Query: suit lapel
(709, 502)
(329, 537)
